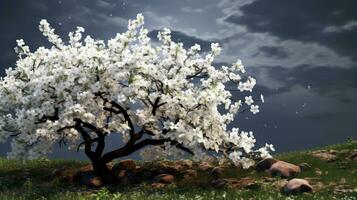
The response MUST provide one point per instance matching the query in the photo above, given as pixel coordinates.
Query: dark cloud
(273, 51)
(347, 100)
(20, 19)
(320, 116)
(331, 82)
(101, 19)
(325, 78)
(304, 20)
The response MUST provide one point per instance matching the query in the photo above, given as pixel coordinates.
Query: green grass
(31, 180)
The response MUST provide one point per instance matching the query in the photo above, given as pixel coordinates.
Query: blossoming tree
(161, 98)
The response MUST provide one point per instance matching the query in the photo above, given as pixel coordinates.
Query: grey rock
(265, 164)
(296, 186)
(284, 169)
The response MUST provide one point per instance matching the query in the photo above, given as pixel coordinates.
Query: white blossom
(215, 48)
(249, 100)
(166, 90)
(254, 109)
(239, 66)
(235, 156)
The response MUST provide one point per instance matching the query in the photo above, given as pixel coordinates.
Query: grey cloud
(191, 10)
(303, 20)
(104, 4)
(273, 51)
(329, 82)
(187, 40)
(334, 83)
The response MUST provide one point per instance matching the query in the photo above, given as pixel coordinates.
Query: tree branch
(87, 141)
(53, 117)
(156, 105)
(66, 127)
(121, 110)
(100, 137)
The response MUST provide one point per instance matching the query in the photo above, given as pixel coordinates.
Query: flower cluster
(166, 90)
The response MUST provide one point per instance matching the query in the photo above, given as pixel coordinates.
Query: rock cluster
(327, 155)
(286, 170)
(161, 174)
(128, 173)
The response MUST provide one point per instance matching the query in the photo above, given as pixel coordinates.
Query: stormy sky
(302, 52)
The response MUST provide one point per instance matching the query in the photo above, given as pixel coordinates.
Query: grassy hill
(336, 179)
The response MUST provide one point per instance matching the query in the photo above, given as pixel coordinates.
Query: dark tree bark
(102, 170)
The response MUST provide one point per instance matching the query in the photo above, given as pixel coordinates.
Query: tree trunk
(102, 170)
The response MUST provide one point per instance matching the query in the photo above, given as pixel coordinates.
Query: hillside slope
(331, 177)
